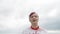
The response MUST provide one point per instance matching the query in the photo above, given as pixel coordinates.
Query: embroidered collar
(35, 28)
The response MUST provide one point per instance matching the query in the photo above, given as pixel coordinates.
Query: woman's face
(34, 18)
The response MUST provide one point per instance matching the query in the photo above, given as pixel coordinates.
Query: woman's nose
(33, 17)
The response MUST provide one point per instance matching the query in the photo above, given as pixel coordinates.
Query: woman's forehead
(33, 13)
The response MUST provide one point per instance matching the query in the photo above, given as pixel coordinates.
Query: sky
(14, 14)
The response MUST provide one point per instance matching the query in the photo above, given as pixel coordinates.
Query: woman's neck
(34, 26)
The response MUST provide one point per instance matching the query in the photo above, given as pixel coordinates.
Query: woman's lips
(34, 20)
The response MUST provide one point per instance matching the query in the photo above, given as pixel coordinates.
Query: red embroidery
(35, 28)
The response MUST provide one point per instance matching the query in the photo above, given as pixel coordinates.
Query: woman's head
(33, 17)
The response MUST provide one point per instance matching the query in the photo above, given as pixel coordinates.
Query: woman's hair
(32, 13)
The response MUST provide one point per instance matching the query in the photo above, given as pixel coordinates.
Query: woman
(34, 28)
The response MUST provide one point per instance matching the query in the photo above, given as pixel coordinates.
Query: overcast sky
(14, 13)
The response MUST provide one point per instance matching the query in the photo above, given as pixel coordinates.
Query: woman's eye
(35, 16)
(32, 17)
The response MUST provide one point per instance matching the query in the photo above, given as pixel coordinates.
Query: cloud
(14, 15)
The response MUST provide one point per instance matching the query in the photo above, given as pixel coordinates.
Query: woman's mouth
(34, 20)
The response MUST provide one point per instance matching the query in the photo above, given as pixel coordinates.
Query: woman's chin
(35, 22)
